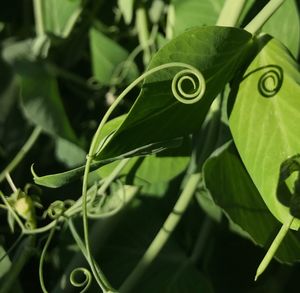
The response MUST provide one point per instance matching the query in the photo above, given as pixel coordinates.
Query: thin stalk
(98, 274)
(11, 183)
(231, 12)
(38, 17)
(262, 17)
(22, 152)
(41, 274)
(164, 233)
(203, 235)
(143, 33)
(10, 209)
(274, 246)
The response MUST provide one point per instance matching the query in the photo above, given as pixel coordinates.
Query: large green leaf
(233, 190)
(156, 115)
(265, 120)
(59, 16)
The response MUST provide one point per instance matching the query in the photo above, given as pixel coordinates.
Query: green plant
(215, 121)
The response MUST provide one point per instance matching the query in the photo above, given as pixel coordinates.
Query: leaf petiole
(274, 246)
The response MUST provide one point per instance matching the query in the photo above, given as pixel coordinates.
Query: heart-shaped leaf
(265, 120)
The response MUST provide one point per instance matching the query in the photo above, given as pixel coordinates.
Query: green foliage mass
(149, 146)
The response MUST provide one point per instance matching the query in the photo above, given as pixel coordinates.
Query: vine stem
(10, 209)
(22, 152)
(231, 12)
(274, 246)
(94, 149)
(261, 18)
(38, 17)
(41, 275)
(164, 233)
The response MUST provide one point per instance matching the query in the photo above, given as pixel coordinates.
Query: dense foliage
(149, 146)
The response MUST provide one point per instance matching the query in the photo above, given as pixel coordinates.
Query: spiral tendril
(85, 283)
(270, 82)
(195, 78)
(181, 95)
(58, 207)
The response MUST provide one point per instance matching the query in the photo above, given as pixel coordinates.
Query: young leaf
(217, 52)
(59, 16)
(60, 179)
(265, 120)
(107, 55)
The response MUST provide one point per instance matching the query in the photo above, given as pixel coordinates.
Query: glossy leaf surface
(156, 115)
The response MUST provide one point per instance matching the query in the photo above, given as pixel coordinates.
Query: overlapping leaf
(233, 190)
(265, 120)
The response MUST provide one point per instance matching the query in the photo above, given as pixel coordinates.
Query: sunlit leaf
(265, 120)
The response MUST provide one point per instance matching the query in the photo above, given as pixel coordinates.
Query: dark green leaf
(232, 190)
(156, 114)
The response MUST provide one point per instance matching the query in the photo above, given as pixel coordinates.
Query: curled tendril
(197, 81)
(186, 75)
(58, 207)
(270, 82)
(86, 282)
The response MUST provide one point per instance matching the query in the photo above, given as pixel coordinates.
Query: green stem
(143, 33)
(164, 233)
(41, 274)
(231, 12)
(95, 149)
(274, 246)
(21, 154)
(261, 18)
(38, 17)
(10, 209)
(203, 235)
(98, 274)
